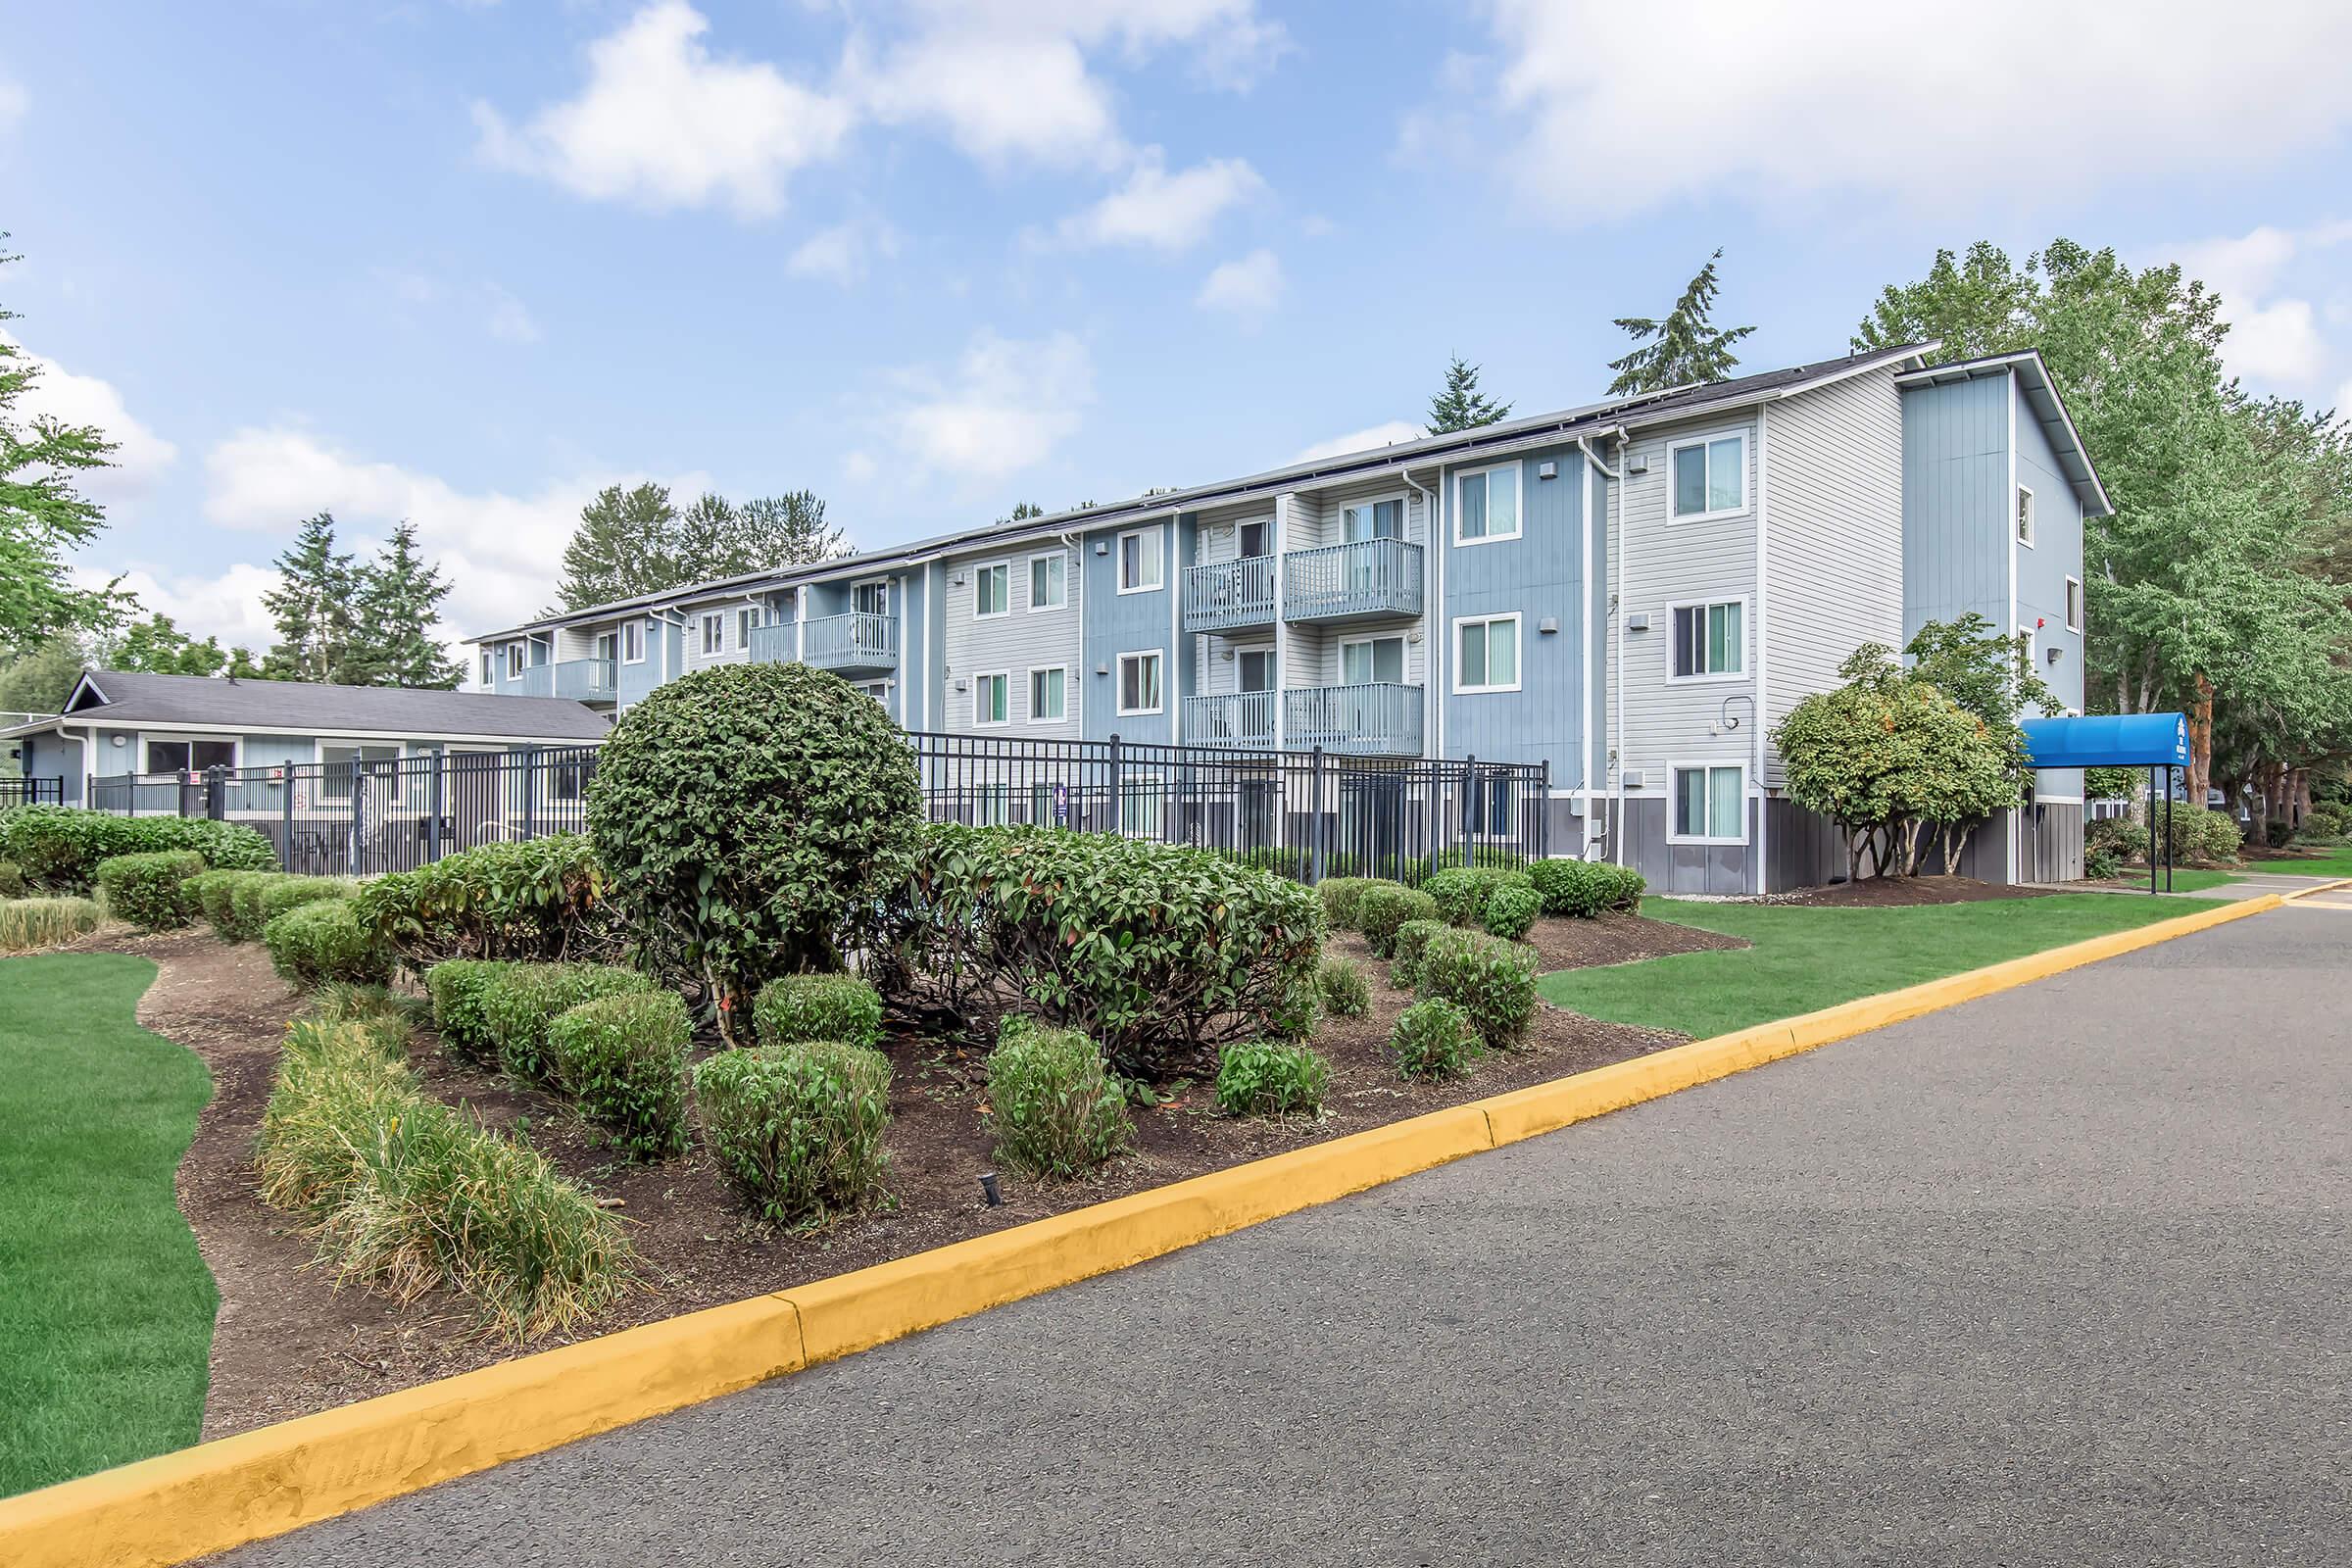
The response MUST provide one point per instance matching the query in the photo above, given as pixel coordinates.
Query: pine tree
(311, 606)
(1683, 349)
(706, 541)
(626, 544)
(1022, 512)
(398, 603)
(1463, 405)
(787, 530)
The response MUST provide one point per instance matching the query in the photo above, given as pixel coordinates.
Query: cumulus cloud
(843, 253)
(1003, 407)
(1249, 287)
(1598, 121)
(2277, 337)
(226, 605)
(1163, 211)
(140, 457)
(1364, 440)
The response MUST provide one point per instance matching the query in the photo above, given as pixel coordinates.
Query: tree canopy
(1684, 348)
(636, 541)
(1463, 405)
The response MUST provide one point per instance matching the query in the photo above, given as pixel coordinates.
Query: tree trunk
(2200, 742)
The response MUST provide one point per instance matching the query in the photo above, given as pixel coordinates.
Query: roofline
(1369, 462)
(2049, 383)
(96, 719)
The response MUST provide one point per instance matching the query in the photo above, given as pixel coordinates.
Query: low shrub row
(1385, 906)
(148, 890)
(818, 1007)
(543, 900)
(1584, 890)
(1411, 941)
(498, 1011)
(60, 847)
(2197, 837)
(623, 1057)
(319, 940)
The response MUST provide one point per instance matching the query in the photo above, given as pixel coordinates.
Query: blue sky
(466, 262)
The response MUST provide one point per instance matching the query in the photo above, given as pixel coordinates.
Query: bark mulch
(288, 1341)
(1899, 892)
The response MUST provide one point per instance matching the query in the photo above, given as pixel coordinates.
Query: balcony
(1229, 594)
(775, 643)
(1375, 719)
(1237, 718)
(585, 680)
(859, 643)
(1351, 581)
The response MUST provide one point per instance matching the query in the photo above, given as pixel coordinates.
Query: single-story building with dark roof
(117, 723)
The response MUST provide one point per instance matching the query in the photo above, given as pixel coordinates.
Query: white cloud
(140, 456)
(1006, 407)
(1746, 104)
(1249, 287)
(663, 124)
(842, 253)
(1364, 440)
(2276, 337)
(226, 605)
(1163, 211)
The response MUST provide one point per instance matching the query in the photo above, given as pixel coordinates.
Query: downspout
(1618, 558)
(1584, 724)
(1760, 707)
(1429, 694)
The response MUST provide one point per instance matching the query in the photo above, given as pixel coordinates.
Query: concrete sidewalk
(2056, 1277)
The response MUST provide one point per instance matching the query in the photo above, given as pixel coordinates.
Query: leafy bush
(206, 898)
(1268, 1078)
(1152, 949)
(543, 900)
(1582, 890)
(59, 847)
(518, 1001)
(292, 892)
(1433, 1039)
(1463, 892)
(1340, 896)
(408, 1195)
(624, 1058)
(818, 1007)
(146, 889)
(1052, 1105)
(1511, 912)
(1412, 940)
(12, 880)
(796, 1129)
(2199, 837)
(2102, 865)
(1494, 982)
(322, 941)
(755, 820)
(1385, 906)
(460, 989)
(245, 914)
(2322, 825)
(30, 923)
(1343, 989)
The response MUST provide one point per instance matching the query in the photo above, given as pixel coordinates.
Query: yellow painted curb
(265, 1483)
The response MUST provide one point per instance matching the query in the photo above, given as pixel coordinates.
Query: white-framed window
(1485, 505)
(632, 642)
(1255, 538)
(1374, 519)
(1139, 683)
(1140, 566)
(1709, 804)
(489, 667)
(189, 756)
(342, 761)
(1364, 661)
(1710, 641)
(1049, 694)
(992, 590)
(2025, 516)
(1049, 582)
(515, 658)
(1486, 654)
(992, 699)
(1139, 802)
(871, 598)
(878, 690)
(2074, 603)
(1708, 475)
(1255, 670)
(713, 627)
(747, 622)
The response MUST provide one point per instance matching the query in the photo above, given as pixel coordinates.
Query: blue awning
(2109, 740)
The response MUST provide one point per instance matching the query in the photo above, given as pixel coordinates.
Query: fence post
(286, 844)
(359, 808)
(188, 798)
(1314, 869)
(530, 791)
(215, 792)
(1118, 789)
(1469, 805)
(1543, 812)
(433, 804)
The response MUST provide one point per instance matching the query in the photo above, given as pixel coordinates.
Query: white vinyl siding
(1031, 637)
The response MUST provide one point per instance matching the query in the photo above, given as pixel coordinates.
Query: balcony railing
(777, 644)
(1228, 594)
(1237, 719)
(586, 680)
(1368, 577)
(1381, 718)
(861, 640)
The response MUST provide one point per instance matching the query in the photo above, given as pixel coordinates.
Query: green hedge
(797, 1130)
(543, 900)
(1052, 1104)
(818, 1007)
(1270, 1078)
(1493, 981)
(149, 890)
(12, 880)
(1387, 906)
(291, 892)
(1411, 941)
(1151, 950)
(206, 895)
(1584, 890)
(1463, 892)
(458, 988)
(517, 1002)
(1511, 910)
(59, 847)
(1340, 896)
(322, 942)
(625, 1059)
(1433, 1039)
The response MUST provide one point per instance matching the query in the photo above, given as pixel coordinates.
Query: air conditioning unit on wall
(1633, 778)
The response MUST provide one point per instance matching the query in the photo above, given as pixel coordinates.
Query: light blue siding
(2042, 572)
(1538, 575)
(1126, 624)
(53, 756)
(1955, 500)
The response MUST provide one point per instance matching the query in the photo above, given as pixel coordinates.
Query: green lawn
(2335, 861)
(2186, 878)
(106, 1307)
(1808, 958)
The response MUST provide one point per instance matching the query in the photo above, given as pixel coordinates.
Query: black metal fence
(1306, 814)
(32, 792)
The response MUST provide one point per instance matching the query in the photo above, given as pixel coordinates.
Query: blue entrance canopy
(2109, 740)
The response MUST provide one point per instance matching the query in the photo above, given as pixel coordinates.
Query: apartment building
(1631, 593)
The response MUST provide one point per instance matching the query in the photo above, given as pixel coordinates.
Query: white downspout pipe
(1594, 596)
(1430, 697)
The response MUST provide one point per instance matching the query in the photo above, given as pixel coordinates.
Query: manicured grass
(1808, 958)
(106, 1307)
(2185, 879)
(2335, 860)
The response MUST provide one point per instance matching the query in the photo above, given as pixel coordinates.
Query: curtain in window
(1725, 639)
(1724, 805)
(1726, 474)
(1473, 521)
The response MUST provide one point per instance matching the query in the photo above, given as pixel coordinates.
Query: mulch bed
(1900, 891)
(288, 1341)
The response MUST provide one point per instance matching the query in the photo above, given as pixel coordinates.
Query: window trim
(1242, 651)
(1518, 654)
(2025, 519)
(1064, 603)
(489, 666)
(981, 679)
(1747, 619)
(1063, 718)
(515, 658)
(2077, 607)
(983, 568)
(1118, 567)
(1366, 640)
(1120, 691)
(1738, 433)
(318, 750)
(704, 620)
(627, 628)
(1404, 514)
(747, 622)
(1518, 506)
(1674, 798)
(190, 739)
(888, 607)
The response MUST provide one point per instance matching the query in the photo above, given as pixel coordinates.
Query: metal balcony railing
(775, 643)
(1368, 577)
(1236, 718)
(1378, 718)
(1228, 594)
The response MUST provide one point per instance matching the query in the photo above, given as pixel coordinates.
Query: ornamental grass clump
(1387, 906)
(1343, 989)
(148, 890)
(1433, 1039)
(1055, 1108)
(623, 1058)
(796, 1129)
(26, 924)
(1493, 981)
(1270, 1078)
(818, 1007)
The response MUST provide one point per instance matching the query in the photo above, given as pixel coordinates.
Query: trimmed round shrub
(1433, 1039)
(458, 988)
(245, 917)
(818, 1007)
(518, 1001)
(1053, 1106)
(1385, 906)
(796, 1129)
(623, 1057)
(30, 923)
(1340, 896)
(60, 847)
(146, 889)
(542, 899)
(1412, 940)
(1269, 1078)
(1493, 981)
(206, 898)
(1584, 890)
(1511, 912)
(1343, 989)
(755, 820)
(291, 892)
(12, 880)
(322, 942)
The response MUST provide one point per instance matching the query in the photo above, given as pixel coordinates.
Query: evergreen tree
(1463, 405)
(312, 607)
(706, 541)
(786, 530)
(1022, 512)
(1684, 348)
(625, 545)
(397, 605)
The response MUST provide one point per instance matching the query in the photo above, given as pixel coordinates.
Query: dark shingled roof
(302, 708)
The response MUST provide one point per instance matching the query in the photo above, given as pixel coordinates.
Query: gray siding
(1015, 643)
(2042, 569)
(1955, 500)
